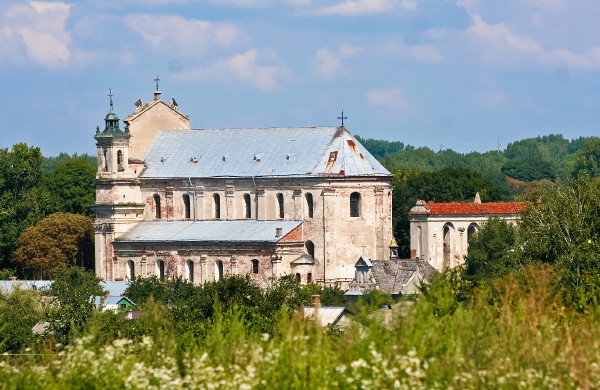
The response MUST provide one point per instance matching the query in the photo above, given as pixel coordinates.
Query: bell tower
(118, 197)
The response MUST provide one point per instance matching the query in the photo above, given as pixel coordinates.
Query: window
(105, 160)
(254, 266)
(190, 271)
(280, 204)
(471, 232)
(309, 277)
(160, 269)
(310, 248)
(309, 205)
(157, 207)
(298, 278)
(218, 270)
(186, 206)
(355, 204)
(120, 159)
(217, 202)
(247, 205)
(130, 270)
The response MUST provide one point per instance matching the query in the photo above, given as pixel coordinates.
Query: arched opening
(160, 269)
(447, 235)
(130, 270)
(247, 206)
(355, 204)
(218, 270)
(310, 248)
(105, 160)
(309, 277)
(255, 266)
(419, 247)
(120, 160)
(471, 232)
(280, 206)
(217, 206)
(157, 212)
(190, 271)
(298, 278)
(187, 209)
(309, 205)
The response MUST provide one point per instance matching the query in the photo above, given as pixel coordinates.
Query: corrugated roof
(269, 152)
(208, 231)
(469, 208)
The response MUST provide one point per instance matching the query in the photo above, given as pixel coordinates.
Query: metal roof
(268, 152)
(208, 231)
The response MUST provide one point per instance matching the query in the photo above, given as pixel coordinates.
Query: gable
(270, 152)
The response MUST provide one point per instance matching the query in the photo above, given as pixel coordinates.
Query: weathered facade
(439, 232)
(265, 202)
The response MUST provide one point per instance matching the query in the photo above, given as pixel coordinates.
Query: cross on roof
(342, 117)
(110, 95)
(157, 80)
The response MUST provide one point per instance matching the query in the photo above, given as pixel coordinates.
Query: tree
(19, 312)
(71, 185)
(58, 240)
(73, 287)
(588, 159)
(563, 229)
(491, 251)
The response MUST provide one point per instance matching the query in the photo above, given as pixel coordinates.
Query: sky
(465, 75)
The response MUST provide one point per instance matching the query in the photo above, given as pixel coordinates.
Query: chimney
(12, 278)
(278, 232)
(477, 199)
(316, 300)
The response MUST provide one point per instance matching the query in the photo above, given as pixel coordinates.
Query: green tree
(588, 159)
(19, 312)
(58, 240)
(71, 185)
(491, 251)
(563, 229)
(73, 287)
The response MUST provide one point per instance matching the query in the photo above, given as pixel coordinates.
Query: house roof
(208, 231)
(326, 315)
(268, 152)
(423, 208)
(393, 275)
(109, 300)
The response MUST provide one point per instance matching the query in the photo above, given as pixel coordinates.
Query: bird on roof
(174, 102)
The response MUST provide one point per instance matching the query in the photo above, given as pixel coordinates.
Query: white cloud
(37, 30)
(367, 7)
(500, 46)
(328, 63)
(181, 36)
(392, 98)
(248, 67)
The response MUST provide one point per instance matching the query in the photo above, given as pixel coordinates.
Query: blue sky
(455, 74)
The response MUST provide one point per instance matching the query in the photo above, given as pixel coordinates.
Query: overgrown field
(516, 334)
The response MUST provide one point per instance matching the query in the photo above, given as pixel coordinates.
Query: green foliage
(529, 169)
(7, 273)
(58, 240)
(71, 185)
(588, 159)
(19, 312)
(73, 287)
(491, 251)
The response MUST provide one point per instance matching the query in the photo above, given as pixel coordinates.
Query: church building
(440, 232)
(267, 202)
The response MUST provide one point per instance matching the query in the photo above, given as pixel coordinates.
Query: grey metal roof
(325, 315)
(207, 231)
(269, 152)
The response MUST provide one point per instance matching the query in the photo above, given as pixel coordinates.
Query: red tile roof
(471, 208)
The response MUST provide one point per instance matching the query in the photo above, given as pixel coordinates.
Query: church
(265, 202)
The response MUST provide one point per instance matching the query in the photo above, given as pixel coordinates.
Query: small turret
(112, 144)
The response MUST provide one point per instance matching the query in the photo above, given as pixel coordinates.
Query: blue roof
(269, 152)
(109, 300)
(208, 231)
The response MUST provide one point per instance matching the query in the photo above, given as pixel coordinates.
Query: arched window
(186, 207)
(218, 270)
(471, 231)
(447, 244)
(247, 206)
(309, 277)
(280, 205)
(160, 269)
(309, 205)
(105, 160)
(120, 159)
(130, 270)
(255, 266)
(298, 278)
(217, 202)
(157, 213)
(310, 248)
(190, 271)
(355, 204)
